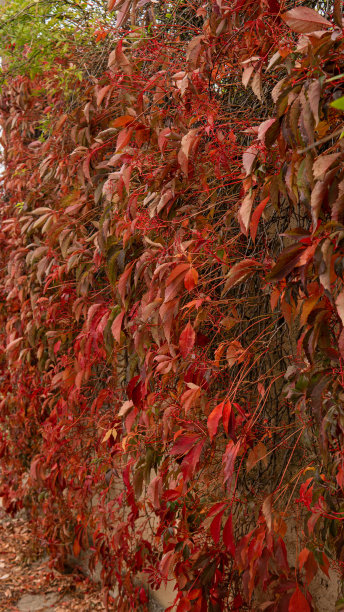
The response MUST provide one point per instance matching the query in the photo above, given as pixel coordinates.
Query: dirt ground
(27, 584)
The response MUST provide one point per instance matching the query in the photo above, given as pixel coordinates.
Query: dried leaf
(235, 353)
(188, 146)
(244, 213)
(267, 511)
(337, 13)
(248, 159)
(314, 93)
(256, 85)
(239, 272)
(305, 20)
(268, 131)
(256, 454)
(123, 13)
(286, 262)
(190, 397)
(340, 306)
(102, 93)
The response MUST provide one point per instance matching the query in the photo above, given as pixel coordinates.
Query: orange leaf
(190, 279)
(76, 547)
(178, 270)
(102, 93)
(303, 556)
(122, 121)
(256, 217)
(117, 326)
(214, 419)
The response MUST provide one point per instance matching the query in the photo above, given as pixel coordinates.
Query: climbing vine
(172, 300)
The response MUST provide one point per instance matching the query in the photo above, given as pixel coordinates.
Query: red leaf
(215, 527)
(213, 420)
(311, 568)
(228, 460)
(187, 340)
(190, 461)
(256, 217)
(325, 564)
(303, 556)
(216, 508)
(228, 538)
(123, 138)
(183, 444)
(298, 602)
(190, 279)
(165, 564)
(226, 415)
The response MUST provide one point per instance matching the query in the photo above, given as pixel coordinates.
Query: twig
(320, 142)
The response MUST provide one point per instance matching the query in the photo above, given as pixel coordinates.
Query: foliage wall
(172, 300)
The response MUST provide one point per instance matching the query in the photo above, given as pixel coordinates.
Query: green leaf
(339, 103)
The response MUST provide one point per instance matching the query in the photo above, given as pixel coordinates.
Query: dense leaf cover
(172, 300)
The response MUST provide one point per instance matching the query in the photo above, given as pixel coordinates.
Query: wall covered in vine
(172, 299)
